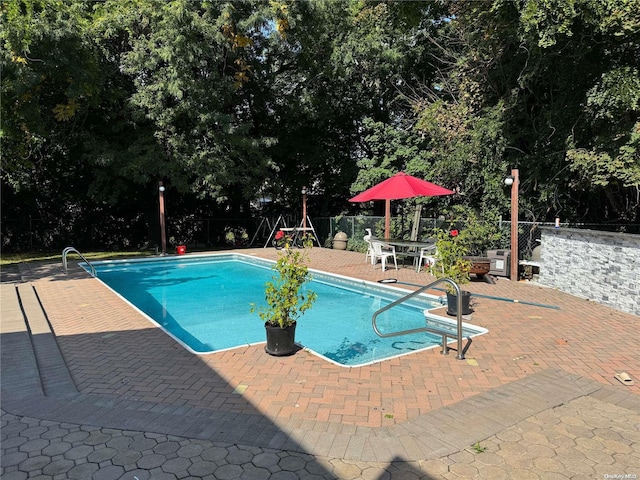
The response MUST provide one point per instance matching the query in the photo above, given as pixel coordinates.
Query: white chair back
(382, 251)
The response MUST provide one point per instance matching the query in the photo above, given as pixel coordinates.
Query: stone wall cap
(589, 232)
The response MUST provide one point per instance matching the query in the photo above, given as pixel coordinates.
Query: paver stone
(228, 472)
(17, 475)
(112, 472)
(143, 444)
(152, 460)
(238, 457)
(523, 474)
(250, 472)
(214, 454)
(76, 453)
(284, 476)
(291, 463)
(189, 451)
(82, 471)
(12, 442)
(202, 468)
(102, 454)
(492, 472)
(34, 463)
(158, 474)
(33, 432)
(121, 443)
(10, 459)
(35, 445)
(56, 448)
(344, 470)
(55, 432)
(176, 465)
(166, 447)
(76, 437)
(126, 458)
(463, 470)
(97, 438)
(137, 474)
(58, 467)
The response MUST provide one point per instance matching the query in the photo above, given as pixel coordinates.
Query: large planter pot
(340, 241)
(452, 303)
(280, 341)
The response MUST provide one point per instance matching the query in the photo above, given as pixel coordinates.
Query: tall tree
(512, 67)
(188, 64)
(50, 74)
(344, 64)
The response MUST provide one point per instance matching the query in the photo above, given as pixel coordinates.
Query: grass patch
(478, 448)
(14, 258)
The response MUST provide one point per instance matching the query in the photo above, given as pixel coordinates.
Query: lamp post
(163, 233)
(304, 207)
(514, 182)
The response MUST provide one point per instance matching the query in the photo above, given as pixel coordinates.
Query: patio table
(409, 248)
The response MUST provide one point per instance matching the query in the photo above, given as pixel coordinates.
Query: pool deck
(91, 389)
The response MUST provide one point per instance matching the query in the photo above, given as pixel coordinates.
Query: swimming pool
(204, 301)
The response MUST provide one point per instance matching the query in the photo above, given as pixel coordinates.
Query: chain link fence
(529, 233)
(111, 233)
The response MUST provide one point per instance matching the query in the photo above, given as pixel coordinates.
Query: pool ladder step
(445, 333)
(439, 326)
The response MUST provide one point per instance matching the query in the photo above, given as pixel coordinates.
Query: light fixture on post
(513, 181)
(163, 233)
(304, 207)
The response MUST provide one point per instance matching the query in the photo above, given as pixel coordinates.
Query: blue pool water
(205, 301)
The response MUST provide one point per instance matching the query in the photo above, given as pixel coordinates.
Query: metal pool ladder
(458, 336)
(69, 250)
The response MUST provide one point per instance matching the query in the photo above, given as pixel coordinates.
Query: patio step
(52, 368)
(54, 373)
(20, 377)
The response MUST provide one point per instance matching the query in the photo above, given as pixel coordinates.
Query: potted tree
(287, 299)
(450, 263)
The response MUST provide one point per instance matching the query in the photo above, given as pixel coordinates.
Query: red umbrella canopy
(400, 186)
(397, 187)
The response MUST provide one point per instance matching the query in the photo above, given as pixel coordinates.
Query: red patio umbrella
(397, 187)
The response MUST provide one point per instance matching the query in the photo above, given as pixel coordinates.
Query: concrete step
(54, 373)
(20, 377)
(26, 316)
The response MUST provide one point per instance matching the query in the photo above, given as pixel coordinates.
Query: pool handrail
(69, 250)
(454, 285)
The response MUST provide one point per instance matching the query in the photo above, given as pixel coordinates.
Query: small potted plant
(450, 263)
(287, 298)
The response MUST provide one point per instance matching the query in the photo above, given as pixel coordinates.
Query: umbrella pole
(387, 217)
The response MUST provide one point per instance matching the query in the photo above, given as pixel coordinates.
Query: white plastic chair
(367, 238)
(426, 255)
(382, 251)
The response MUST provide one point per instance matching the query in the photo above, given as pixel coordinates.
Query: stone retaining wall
(600, 266)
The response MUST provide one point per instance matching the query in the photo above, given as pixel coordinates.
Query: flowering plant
(450, 262)
(286, 294)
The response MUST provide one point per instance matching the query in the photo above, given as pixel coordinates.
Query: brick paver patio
(544, 348)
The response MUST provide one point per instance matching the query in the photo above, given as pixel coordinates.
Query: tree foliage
(230, 101)
(549, 87)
